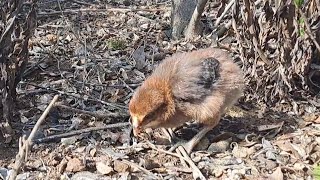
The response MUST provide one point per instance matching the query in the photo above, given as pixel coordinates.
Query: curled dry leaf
(239, 152)
(104, 168)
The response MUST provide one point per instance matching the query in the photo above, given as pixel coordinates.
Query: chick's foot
(189, 145)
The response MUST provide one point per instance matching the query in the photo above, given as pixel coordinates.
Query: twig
(84, 97)
(195, 168)
(228, 7)
(183, 155)
(81, 3)
(167, 152)
(224, 29)
(94, 114)
(25, 144)
(70, 11)
(194, 23)
(146, 171)
(126, 85)
(309, 32)
(86, 130)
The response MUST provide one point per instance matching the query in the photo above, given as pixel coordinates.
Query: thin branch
(309, 32)
(167, 152)
(94, 114)
(84, 97)
(71, 11)
(196, 171)
(86, 130)
(25, 144)
(224, 12)
(146, 171)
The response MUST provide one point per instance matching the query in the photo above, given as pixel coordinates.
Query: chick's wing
(193, 79)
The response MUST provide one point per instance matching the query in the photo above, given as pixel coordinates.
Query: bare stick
(24, 144)
(183, 155)
(123, 10)
(94, 114)
(224, 13)
(167, 152)
(86, 130)
(114, 105)
(196, 171)
(146, 171)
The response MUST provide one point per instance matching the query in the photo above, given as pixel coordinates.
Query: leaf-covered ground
(94, 54)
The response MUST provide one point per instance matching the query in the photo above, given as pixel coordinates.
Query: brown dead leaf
(75, 165)
(317, 120)
(284, 145)
(120, 166)
(310, 118)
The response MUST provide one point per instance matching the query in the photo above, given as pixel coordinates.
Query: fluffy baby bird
(198, 85)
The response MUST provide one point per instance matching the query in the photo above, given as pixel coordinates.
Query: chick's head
(147, 108)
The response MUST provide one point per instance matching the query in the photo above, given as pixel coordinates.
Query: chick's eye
(150, 116)
(153, 115)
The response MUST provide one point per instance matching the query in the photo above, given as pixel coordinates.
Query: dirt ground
(94, 59)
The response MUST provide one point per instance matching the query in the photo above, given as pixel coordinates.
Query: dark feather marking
(210, 73)
(196, 89)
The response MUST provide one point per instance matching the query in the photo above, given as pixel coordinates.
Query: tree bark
(185, 18)
(17, 24)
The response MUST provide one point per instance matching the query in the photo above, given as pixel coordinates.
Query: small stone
(203, 144)
(145, 26)
(68, 141)
(217, 172)
(120, 167)
(220, 146)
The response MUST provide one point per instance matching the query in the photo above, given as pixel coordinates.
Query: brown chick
(198, 85)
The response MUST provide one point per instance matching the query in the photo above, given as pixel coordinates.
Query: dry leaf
(75, 165)
(277, 174)
(103, 168)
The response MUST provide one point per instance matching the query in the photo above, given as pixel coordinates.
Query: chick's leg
(170, 134)
(196, 139)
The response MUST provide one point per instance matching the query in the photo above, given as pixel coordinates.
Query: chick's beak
(135, 124)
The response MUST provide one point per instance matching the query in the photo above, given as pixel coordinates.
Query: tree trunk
(17, 23)
(185, 18)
